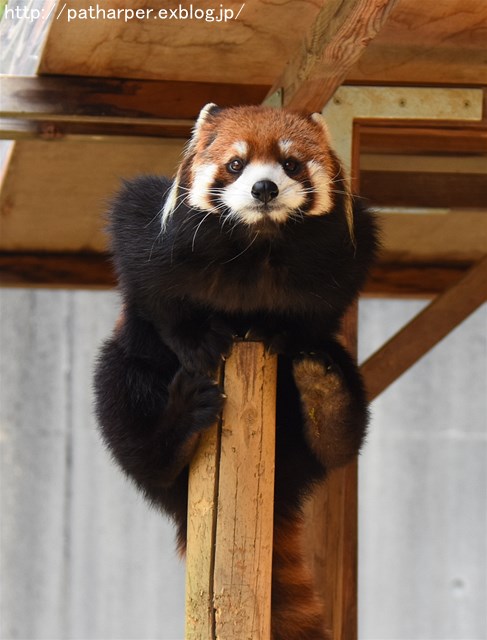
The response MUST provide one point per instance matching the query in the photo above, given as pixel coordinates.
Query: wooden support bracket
(425, 330)
(231, 505)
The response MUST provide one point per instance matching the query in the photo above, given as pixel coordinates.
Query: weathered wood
(332, 532)
(433, 42)
(116, 100)
(252, 42)
(337, 38)
(423, 332)
(201, 536)
(230, 511)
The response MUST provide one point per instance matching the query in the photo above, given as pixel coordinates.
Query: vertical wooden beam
(231, 504)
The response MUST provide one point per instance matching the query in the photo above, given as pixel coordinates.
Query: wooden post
(230, 507)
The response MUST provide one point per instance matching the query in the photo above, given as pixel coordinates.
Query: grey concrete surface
(84, 558)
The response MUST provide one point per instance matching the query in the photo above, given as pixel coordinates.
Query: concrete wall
(83, 557)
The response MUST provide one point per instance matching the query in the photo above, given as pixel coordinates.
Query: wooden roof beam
(337, 38)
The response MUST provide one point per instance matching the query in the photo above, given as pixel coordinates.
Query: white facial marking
(241, 148)
(169, 204)
(238, 195)
(203, 178)
(321, 183)
(284, 146)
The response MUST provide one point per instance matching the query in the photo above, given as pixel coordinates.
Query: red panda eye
(291, 166)
(235, 166)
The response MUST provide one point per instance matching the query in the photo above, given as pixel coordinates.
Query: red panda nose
(265, 191)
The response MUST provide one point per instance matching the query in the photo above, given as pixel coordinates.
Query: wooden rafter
(425, 330)
(337, 38)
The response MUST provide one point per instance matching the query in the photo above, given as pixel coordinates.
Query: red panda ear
(171, 201)
(318, 118)
(206, 112)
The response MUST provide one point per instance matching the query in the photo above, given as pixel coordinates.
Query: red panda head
(257, 166)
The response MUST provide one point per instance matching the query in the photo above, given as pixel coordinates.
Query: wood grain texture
(336, 40)
(251, 46)
(231, 507)
(427, 329)
(54, 196)
(428, 42)
(109, 99)
(415, 137)
(201, 540)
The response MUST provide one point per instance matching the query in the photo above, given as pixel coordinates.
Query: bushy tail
(297, 613)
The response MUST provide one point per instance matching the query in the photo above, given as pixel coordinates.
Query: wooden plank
(181, 48)
(119, 101)
(231, 507)
(419, 137)
(427, 43)
(425, 330)
(201, 537)
(424, 189)
(94, 271)
(64, 270)
(331, 534)
(126, 131)
(53, 196)
(337, 38)
(433, 238)
(419, 280)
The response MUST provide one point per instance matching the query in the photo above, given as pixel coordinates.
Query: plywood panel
(54, 194)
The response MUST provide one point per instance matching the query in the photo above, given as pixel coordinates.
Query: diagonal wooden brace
(425, 330)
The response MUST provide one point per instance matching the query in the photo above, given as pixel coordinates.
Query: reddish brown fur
(242, 123)
(297, 613)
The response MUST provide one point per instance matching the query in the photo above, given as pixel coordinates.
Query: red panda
(257, 235)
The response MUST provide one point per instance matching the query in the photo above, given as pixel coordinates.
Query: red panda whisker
(198, 228)
(242, 252)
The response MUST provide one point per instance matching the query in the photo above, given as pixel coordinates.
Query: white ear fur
(318, 118)
(171, 201)
(205, 112)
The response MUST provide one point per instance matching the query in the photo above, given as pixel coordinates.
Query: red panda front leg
(333, 405)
